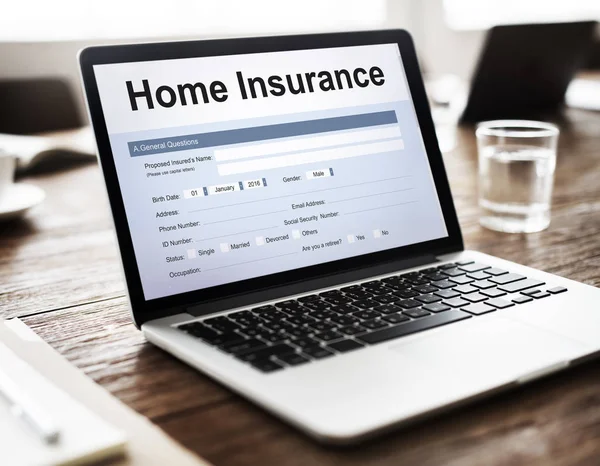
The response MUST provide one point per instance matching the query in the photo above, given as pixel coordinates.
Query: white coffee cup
(7, 174)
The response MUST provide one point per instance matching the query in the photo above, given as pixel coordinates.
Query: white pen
(38, 420)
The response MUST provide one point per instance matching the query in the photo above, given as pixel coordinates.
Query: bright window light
(43, 20)
(483, 14)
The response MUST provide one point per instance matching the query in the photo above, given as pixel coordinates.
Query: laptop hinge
(308, 285)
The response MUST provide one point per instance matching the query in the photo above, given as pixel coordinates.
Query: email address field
(323, 155)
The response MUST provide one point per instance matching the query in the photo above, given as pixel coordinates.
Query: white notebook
(84, 437)
(147, 445)
(30, 150)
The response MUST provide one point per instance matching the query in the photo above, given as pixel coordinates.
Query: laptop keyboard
(317, 326)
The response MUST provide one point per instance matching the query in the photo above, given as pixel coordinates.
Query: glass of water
(517, 159)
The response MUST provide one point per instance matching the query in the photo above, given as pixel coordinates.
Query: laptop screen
(240, 166)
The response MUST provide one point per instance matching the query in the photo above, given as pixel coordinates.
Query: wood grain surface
(59, 271)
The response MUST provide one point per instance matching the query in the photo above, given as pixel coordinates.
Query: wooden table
(59, 272)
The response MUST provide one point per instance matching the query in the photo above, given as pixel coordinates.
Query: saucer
(18, 199)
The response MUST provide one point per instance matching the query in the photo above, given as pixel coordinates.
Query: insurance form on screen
(239, 166)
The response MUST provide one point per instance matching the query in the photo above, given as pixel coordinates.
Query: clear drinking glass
(517, 159)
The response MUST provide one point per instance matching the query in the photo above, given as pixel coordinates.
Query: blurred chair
(37, 105)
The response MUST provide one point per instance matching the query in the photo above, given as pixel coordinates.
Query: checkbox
(224, 247)
(376, 233)
(351, 238)
(191, 253)
(260, 241)
(296, 234)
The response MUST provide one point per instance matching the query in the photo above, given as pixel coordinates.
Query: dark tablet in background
(524, 70)
(593, 59)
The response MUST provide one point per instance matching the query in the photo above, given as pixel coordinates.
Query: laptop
(524, 70)
(286, 227)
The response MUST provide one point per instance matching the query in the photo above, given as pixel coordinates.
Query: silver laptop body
(286, 227)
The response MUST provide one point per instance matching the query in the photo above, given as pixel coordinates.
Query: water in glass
(516, 187)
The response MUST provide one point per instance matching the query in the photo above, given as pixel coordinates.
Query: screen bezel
(144, 310)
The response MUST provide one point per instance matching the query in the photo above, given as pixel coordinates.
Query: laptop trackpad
(489, 349)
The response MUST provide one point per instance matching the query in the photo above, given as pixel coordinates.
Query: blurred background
(40, 39)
